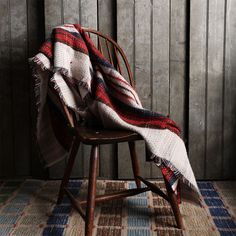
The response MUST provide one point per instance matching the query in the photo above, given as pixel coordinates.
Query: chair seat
(104, 136)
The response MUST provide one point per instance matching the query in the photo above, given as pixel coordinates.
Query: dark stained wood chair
(95, 138)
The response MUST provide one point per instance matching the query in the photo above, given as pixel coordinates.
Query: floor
(28, 208)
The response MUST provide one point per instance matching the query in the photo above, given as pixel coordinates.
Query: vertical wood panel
(20, 87)
(106, 24)
(88, 13)
(143, 51)
(85, 13)
(197, 89)
(177, 63)
(153, 35)
(125, 38)
(88, 19)
(160, 62)
(142, 67)
(214, 89)
(6, 139)
(160, 56)
(36, 32)
(18, 28)
(53, 15)
(71, 11)
(229, 134)
(134, 27)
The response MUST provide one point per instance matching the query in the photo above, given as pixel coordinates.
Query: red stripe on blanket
(90, 45)
(100, 93)
(74, 42)
(46, 49)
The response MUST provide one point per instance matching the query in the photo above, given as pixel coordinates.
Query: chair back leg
(91, 190)
(135, 163)
(174, 205)
(69, 166)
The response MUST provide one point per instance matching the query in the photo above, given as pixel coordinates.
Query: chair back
(113, 52)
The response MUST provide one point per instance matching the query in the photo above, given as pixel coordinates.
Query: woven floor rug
(28, 208)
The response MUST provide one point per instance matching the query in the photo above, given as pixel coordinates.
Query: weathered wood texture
(6, 142)
(197, 87)
(229, 92)
(36, 32)
(152, 34)
(97, 15)
(212, 88)
(85, 13)
(190, 80)
(107, 25)
(20, 37)
(182, 54)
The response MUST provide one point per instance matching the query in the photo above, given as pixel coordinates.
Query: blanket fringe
(64, 72)
(159, 161)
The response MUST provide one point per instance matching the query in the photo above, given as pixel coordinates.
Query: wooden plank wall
(20, 36)
(94, 14)
(153, 36)
(212, 88)
(191, 75)
(182, 54)
(229, 91)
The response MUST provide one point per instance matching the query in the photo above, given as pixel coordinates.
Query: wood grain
(88, 19)
(153, 36)
(197, 86)
(53, 15)
(160, 56)
(35, 34)
(71, 11)
(214, 90)
(177, 63)
(6, 137)
(20, 87)
(106, 23)
(142, 66)
(229, 131)
(160, 69)
(126, 39)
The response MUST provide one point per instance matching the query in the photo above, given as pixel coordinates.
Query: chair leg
(91, 190)
(71, 160)
(135, 163)
(174, 205)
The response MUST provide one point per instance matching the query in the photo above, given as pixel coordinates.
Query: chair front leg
(135, 163)
(174, 205)
(69, 166)
(91, 190)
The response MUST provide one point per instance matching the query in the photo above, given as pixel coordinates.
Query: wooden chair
(97, 137)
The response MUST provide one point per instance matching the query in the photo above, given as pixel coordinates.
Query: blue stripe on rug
(221, 216)
(49, 231)
(219, 212)
(139, 232)
(60, 214)
(5, 231)
(205, 185)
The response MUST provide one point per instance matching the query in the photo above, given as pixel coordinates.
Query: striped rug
(28, 208)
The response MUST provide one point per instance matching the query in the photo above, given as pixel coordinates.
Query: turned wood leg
(91, 190)
(135, 163)
(69, 166)
(174, 205)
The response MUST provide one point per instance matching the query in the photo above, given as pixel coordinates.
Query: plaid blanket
(89, 85)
